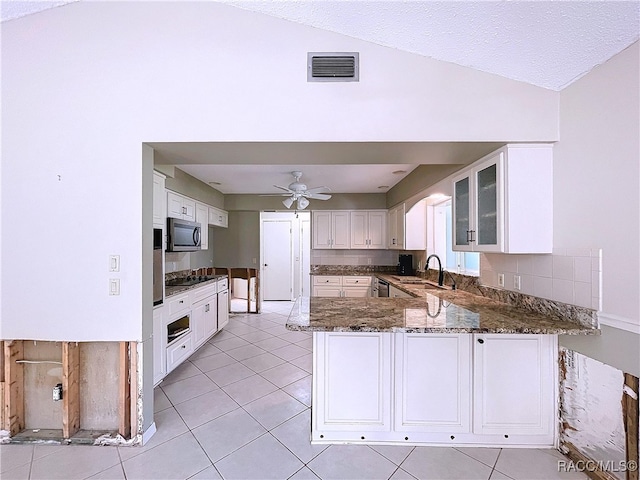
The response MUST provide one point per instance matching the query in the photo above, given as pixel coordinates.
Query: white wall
(84, 85)
(596, 198)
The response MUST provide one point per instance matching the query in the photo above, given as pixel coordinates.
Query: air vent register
(333, 67)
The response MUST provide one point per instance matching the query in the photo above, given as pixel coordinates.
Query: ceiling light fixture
(287, 202)
(383, 186)
(215, 183)
(302, 203)
(399, 172)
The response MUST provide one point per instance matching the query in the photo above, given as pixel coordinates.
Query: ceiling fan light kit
(297, 192)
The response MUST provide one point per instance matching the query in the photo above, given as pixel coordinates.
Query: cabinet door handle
(480, 340)
(181, 301)
(183, 346)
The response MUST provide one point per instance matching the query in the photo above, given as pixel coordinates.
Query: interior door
(277, 260)
(305, 255)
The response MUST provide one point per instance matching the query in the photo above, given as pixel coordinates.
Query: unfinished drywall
(99, 385)
(591, 408)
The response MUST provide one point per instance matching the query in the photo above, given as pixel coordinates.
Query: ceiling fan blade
(284, 188)
(274, 195)
(318, 189)
(317, 196)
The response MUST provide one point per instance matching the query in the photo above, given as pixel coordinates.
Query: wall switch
(255, 261)
(368, 261)
(501, 279)
(516, 282)
(114, 263)
(114, 286)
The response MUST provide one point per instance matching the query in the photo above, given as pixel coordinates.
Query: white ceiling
(545, 43)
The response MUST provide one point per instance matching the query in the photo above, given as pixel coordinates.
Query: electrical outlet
(368, 261)
(516, 282)
(501, 279)
(57, 393)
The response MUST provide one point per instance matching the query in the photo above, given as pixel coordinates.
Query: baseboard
(148, 433)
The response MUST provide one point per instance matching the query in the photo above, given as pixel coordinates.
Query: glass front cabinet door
(478, 207)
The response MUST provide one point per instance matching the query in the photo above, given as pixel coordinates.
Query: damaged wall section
(591, 411)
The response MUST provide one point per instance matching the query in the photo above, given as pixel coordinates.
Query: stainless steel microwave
(182, 235)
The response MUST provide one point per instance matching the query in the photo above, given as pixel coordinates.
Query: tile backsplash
(354, 257)
(571, 275)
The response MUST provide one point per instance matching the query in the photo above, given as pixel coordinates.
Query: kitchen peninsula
(441, 368)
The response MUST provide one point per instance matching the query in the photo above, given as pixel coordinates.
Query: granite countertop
(174, 290)
(428, 311)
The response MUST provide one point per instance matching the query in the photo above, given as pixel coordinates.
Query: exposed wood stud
(70, 389)
(124, 400)
(630, 414)
(133, 390)
(13, 399)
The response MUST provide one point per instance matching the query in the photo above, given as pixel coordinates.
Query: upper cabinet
(202, 217)
(159, 201)
(415, 227)
(331, 229)
(368, 229)
(504, 202)
(218, 218)
(395, 228)
(179, 206)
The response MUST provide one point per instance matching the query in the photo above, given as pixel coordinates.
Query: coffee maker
(405, 264)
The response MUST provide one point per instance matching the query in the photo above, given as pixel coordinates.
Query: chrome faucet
(440, 270)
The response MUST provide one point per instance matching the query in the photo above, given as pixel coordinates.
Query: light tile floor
(239, 408)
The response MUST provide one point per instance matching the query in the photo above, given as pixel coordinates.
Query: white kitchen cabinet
(514, 381)
(179, 351)
(395, 227)
(218, 218)
(179, 206)
(504, 202)
(351, 286)
(159, 345)
(368, 229)
(202, 217)
(331, 229)
(352, 385)
(432, 383)
(223, 304)
(204, 316)
(159, 201)
(415, 227)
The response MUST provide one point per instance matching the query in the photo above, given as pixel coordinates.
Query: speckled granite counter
(429, 311)
(174, 290)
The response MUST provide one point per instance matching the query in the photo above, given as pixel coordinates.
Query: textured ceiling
(544, 43)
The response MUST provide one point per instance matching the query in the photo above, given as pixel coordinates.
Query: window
(457, 262)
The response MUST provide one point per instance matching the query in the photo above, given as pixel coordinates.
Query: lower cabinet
(204, 316)
(353, 377)
(350, 286)
(185, 322)
(455, 389)
(223, 308)
(159, 346)
(432, 383)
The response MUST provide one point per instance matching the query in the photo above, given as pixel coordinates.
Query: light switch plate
(114, 263)
(501, 279)
(114, 286)
(516, 282)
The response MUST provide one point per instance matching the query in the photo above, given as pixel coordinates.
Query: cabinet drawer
(178, 351)
(356, 281)
(179, 304)
(223, 284)
(201, 293)
(327, 280)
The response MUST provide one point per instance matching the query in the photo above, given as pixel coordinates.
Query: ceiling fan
(298, 192)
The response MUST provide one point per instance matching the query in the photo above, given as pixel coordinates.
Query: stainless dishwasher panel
(383, 288)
